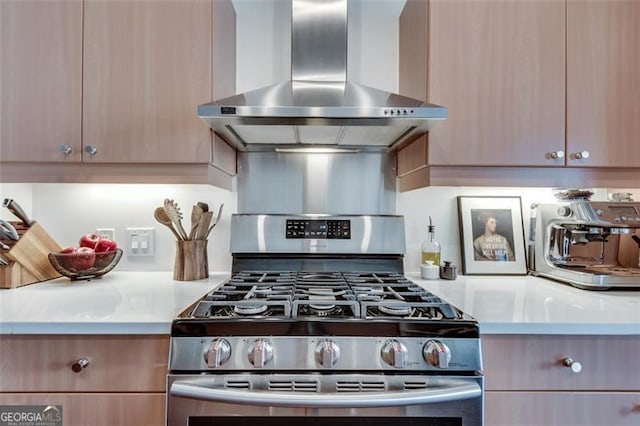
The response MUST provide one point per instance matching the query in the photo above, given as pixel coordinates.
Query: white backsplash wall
(441, 204)
(68, 211)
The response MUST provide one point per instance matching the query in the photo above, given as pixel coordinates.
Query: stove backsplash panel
(336, 183)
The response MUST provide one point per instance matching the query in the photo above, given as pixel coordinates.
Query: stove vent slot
(293, 385)
(237, 384)
(359, 386)
(415, 385)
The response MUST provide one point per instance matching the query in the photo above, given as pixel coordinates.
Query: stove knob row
(327, 353)
(436, 354)
(218, 353)
(260, 353)
(394, 353)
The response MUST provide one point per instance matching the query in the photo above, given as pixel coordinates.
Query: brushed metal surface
(318, 105)
(362, 183)
(261, 233)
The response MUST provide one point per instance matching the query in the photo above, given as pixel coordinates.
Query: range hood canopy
(318, 106)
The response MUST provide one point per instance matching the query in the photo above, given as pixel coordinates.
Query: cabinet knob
(79, 365)
(575, 366)
(65, 149)
(91, 149)
(582, 155)
(557, 154)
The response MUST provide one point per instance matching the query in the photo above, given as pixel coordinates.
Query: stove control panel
(318, 229)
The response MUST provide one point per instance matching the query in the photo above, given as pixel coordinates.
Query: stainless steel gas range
(318, 326)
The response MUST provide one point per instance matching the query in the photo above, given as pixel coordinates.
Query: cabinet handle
(575, 366)
(91, 149)
(582, 155)
(65, 149)
(557, 154)
(79, 365)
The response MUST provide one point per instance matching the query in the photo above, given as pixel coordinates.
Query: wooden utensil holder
(28, 257)
(191, 261)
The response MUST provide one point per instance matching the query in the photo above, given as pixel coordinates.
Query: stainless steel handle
(557, 154)
(79, 365)
(456, 391)
(575, 366)
(65, 149)
(582, 155)
(92, 150)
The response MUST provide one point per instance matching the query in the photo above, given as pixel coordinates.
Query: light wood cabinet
(40, 79)
(147, 65)
(124, 382)
(526, 382)
(603, 88)
(499, 68)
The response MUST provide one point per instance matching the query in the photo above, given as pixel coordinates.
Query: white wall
(441, 204)
(67, 211)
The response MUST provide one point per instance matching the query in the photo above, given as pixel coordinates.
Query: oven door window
(326, 421)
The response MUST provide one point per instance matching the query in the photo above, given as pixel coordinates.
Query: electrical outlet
(109, 233)
(140, 241)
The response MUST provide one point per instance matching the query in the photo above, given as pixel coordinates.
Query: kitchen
(48, 202)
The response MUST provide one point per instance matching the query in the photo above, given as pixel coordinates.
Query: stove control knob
(437, 354)
(394, 353)
(327, 353)
(260, 353)
(218, 353)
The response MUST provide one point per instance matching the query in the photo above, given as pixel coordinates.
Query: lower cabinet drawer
(517, 362)
(98, 409)
(562, 408)
(44, 363)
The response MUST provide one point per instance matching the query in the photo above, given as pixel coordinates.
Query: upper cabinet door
(603, 83)
(499, 67)
(40, 80)
(147, 65)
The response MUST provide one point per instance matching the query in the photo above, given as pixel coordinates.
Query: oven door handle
(456, 390)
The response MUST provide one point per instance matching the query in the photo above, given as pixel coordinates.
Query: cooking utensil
(161, 217)
(17, 211)
(173, 212)
(8, 231)
(216, 221)
(3, 246)
(203, 206)
(203, 226)
(196, 213)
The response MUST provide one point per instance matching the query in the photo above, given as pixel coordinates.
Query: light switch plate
(140, 242)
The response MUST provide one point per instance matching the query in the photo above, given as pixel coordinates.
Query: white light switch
(140, 241)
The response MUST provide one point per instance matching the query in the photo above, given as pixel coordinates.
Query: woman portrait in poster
(493, 235)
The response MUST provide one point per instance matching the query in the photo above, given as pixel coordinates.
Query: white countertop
(531, 305)
(146, 302)
(117, 303)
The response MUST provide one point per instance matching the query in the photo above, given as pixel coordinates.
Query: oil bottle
(431, 248)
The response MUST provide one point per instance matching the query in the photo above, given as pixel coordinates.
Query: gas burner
(322, 311)
(398, 311)
(245, 310)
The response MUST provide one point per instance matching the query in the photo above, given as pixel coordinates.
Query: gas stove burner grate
(422, 311)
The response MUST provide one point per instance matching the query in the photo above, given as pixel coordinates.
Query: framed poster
(492, 236)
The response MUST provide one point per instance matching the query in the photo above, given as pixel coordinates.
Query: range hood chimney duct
(318, 106)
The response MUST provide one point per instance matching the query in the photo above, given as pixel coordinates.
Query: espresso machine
(591, 245)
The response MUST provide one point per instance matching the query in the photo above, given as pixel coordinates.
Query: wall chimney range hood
(318, 106)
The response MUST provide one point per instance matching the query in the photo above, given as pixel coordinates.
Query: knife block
(28, 257)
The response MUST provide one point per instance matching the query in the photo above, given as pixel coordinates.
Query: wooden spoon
(173, 212)
(216, 221)
(196, 213)
(161, 217)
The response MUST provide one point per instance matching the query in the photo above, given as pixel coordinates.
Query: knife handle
(17, 211)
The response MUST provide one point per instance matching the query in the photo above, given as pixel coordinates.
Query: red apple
(105, 244)
(68, 250)
(82, 259)
(89, 240)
